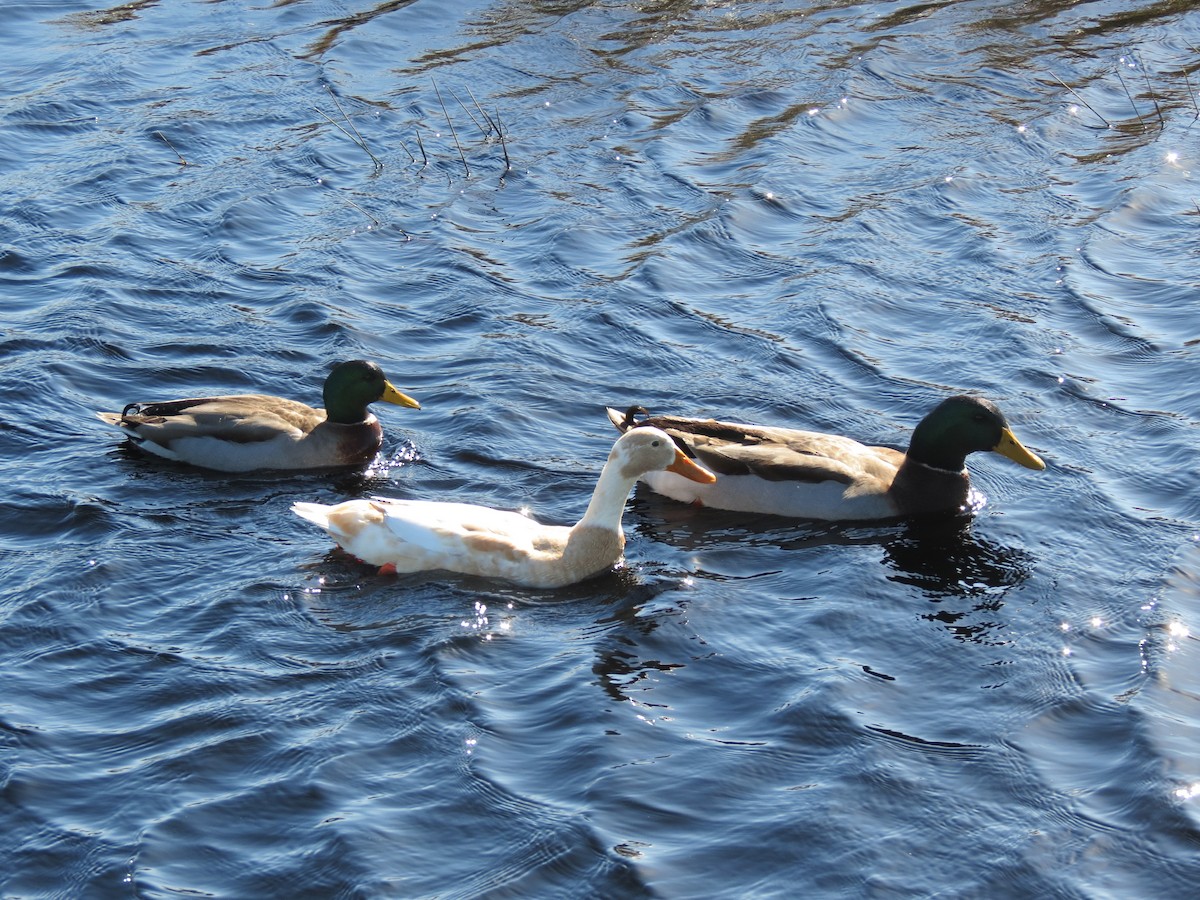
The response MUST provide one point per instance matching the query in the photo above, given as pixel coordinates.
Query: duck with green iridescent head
(247, 432)
(813, 475)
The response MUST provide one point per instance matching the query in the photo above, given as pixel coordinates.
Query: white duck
(425, 535)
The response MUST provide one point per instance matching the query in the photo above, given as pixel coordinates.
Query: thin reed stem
(1131, 103)
(355, 137)
(1161, 122)
(470, 114)
(1191, 93)
(163, 138)
(503, 145)
(482, 111)
(453, 133)
(1081, 100)
(421, 147)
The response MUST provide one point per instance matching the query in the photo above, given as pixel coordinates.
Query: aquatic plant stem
(453, 133)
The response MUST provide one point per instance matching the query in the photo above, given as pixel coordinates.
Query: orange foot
(387, 569)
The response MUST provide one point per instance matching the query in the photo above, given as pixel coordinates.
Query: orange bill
(690, 470)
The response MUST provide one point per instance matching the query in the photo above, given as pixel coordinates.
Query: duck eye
(654, 443)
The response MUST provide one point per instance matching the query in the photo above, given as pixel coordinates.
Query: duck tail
(626, 420)
(317, 513)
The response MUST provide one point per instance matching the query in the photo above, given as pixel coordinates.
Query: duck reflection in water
(966, 575)
(948, 563)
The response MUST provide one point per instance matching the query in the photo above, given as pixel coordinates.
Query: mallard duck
(810, 475)
(425, 535)
(256, 431)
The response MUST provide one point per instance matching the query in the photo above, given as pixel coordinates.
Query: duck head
(961, 425)
(351, 386)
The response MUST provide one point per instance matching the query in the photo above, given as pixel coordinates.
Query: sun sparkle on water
(1187, 792)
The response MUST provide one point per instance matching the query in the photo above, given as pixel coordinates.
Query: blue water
(825, 215)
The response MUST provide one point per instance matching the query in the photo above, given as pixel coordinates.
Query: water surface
(824, 215)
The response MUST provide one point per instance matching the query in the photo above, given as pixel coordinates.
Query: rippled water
(826, 215)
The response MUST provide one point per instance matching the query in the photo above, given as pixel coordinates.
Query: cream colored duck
(255, 431)
(424, 535)
(811, 475)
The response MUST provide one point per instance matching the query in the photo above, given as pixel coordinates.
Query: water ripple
(821, 218)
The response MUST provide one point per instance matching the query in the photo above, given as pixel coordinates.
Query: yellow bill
(1012, 448)
(391, 395)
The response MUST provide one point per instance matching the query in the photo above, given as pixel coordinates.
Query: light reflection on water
(821, 216)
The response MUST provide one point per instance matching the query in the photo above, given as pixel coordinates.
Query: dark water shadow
(967, 576)
(942, 556)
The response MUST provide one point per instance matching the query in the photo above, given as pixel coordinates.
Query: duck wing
(428, 524)
(772, 454)
(243, 419)
(422, 535)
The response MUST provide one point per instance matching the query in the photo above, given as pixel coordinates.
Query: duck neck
(608, 499)
(931, 446)
(922, 488)
(343, 411)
